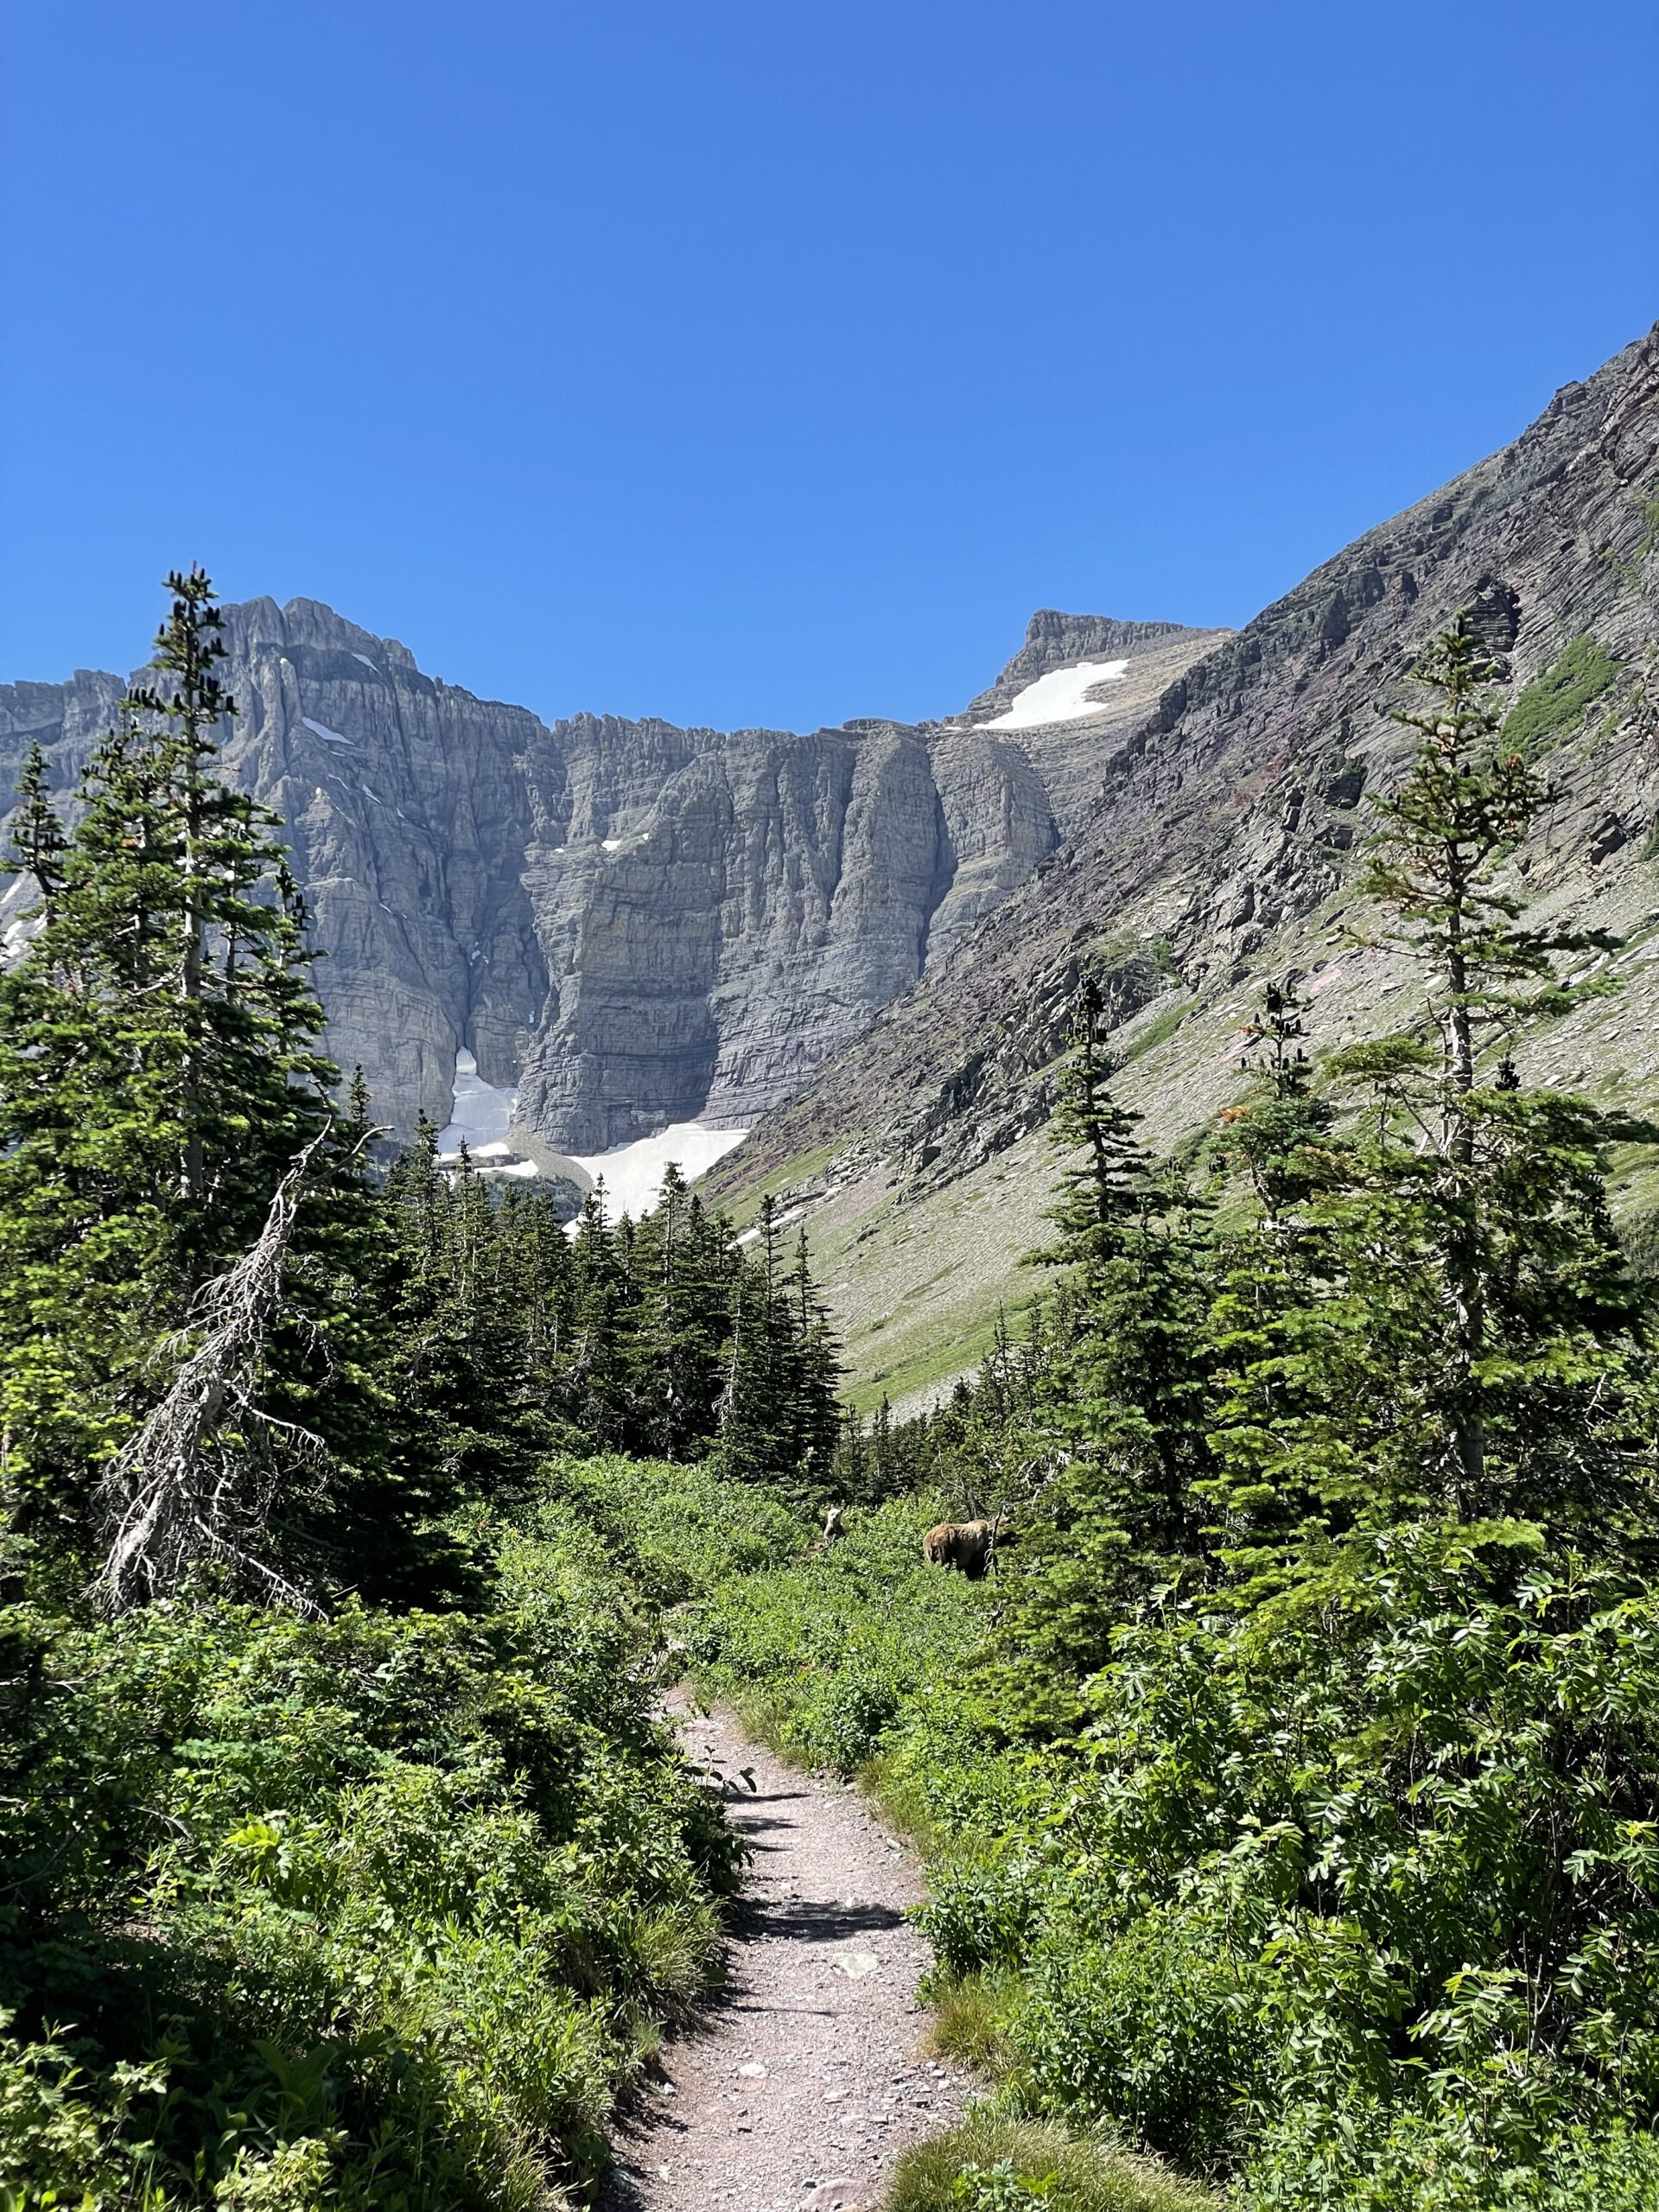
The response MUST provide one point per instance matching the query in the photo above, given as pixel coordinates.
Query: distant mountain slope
(1218, 853)
(631, 924)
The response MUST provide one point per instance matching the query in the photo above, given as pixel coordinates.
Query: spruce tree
(1122, 1403)
(158, 1069)
(814, 1373)
(1272, 1274)
(1446, 1328)
(38, 843)
(1510, 1282)
(159, 1076)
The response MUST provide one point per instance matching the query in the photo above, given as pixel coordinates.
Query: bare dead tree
(195, 1481)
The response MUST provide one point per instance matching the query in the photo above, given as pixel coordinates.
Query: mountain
(632, 925)
(863, 944)
(1219, 852)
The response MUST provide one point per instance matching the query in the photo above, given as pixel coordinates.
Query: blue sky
(768, 361)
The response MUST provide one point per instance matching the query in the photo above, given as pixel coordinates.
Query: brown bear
(969, 1545)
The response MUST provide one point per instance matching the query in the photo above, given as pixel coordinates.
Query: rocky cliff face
(404, 811)
(1221, 847)
(635, 925)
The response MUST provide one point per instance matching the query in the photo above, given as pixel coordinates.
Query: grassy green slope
(915, 1275)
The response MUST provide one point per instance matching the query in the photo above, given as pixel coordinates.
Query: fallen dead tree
(196, 1482)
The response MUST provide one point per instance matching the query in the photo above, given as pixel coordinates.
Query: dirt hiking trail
(799, 2087)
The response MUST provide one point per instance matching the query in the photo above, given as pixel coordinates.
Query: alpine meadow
(906, 1467)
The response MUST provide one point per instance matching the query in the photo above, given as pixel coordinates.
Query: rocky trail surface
(800, 2087)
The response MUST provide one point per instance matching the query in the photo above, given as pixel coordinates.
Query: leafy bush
(1366, 2158)
(1361, 1898)
(375, 1911)
(825, 1650)
(1553, 703)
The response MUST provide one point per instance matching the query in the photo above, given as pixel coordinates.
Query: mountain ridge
(1218, 853)
(632, 924)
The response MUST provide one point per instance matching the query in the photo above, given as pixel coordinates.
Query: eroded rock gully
(801, 2086)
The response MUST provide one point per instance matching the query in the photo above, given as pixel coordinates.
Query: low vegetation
(1554, 703)
(1006, 2165)
(1290, 1798)
(377, 1911)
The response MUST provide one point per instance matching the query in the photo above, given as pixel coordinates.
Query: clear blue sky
(769, 360)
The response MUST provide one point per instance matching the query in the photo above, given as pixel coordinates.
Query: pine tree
(158, 1069)
(814, 1373)
(1270, 1272)
(38, 843)
(1123, 1402)
(1278, 1134)
(1443, 1326)
(159, 1079)
(1507, 1278)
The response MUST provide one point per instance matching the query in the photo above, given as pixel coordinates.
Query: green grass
(991, 2165)
(744, 1204)
(950, 1353)
(968, 2025)
(1159, 1030)
(1553, 703)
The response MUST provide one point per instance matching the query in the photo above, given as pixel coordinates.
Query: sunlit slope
(1222, 853)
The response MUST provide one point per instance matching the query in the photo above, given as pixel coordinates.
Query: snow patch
(481, 1113)
(610, 845)
(633, 1173)
(25, 923)
(366, 661)
(1057, 696)
(17, 935)
(321, 729)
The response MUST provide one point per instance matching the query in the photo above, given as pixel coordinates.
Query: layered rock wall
(634, 923)
(1224, 833)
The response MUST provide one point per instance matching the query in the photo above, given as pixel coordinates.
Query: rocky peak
(1218, 847)
(1055, 640)
(631, 924)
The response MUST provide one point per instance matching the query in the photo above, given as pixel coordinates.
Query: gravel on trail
(799, 2086)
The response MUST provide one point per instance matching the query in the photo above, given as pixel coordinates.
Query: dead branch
(181, 1490)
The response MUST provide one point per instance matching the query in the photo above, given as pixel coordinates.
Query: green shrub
(982, 1910)
(1159, 2029)
(1553, 703)
(994, 2164)
(832, 1647)
(375, 1912)
(1368, 2158)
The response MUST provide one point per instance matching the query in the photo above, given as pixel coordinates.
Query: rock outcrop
(633, 924)
(1073, 759)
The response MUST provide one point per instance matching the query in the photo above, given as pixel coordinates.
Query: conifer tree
(158, 1068)
(38, 842)
(1510, 1308)
(1447, 1328)
(1272, 1274)
(815, 1372)
(1123, 1401)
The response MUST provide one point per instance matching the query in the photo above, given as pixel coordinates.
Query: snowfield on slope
(1057, 696)
(482, 1115)
(633, 1173)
